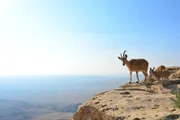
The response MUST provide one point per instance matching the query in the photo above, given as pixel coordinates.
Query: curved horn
(124, 52)
(121, 55)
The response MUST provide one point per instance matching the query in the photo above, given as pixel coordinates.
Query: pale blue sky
(84, 37)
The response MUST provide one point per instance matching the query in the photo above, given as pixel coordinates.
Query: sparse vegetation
(177, 100)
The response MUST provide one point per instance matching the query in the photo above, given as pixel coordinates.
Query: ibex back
(160, 68)
(135, 65)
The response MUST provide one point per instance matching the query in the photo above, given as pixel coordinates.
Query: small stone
(96, 102)
(137, 108)
(121, 118)
(108, 109)
(136, 118)
(142, 106)
(125, 93)
(172, 109)
(155, 106)
(137, 98)
(129, 96)
(114, 109)
(103, 105)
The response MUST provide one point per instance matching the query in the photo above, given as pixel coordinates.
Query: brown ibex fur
(159, 74)
(160, 68)
(135, 65)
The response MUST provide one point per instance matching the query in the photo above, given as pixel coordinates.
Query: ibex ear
(119, 58)
(126, 55)
(150, 69)
(153, 68)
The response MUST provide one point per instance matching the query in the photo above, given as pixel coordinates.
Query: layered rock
(130, 102)
(148, 101)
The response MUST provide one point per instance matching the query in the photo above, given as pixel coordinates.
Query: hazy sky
(42, 37)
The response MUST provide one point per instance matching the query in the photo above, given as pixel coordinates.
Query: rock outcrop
(175, 75)
(175, 72)
(131, 102)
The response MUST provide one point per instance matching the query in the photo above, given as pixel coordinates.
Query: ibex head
(151, 70)
(123, 57)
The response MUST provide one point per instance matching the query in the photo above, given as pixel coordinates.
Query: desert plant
(177, 100)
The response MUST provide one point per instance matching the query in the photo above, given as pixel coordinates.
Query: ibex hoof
(129, 82)
(137, 82)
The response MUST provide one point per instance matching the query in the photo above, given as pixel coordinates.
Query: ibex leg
(145, 75)
(137, 77)
(130, 77)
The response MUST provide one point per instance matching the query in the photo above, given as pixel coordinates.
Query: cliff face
(131, 102)
(134, 102)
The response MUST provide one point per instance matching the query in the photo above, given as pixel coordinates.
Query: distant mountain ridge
(22, 110)
(71, 107)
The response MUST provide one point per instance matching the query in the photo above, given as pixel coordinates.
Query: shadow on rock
(171, 117)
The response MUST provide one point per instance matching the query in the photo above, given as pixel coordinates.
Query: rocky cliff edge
(133, 102)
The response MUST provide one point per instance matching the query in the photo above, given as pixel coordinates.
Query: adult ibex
(160, 68)
(135, 65)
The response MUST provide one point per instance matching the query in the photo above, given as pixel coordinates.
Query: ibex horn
(124, 52)
(121, 55)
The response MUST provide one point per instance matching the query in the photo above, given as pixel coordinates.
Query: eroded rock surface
(133, 102)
